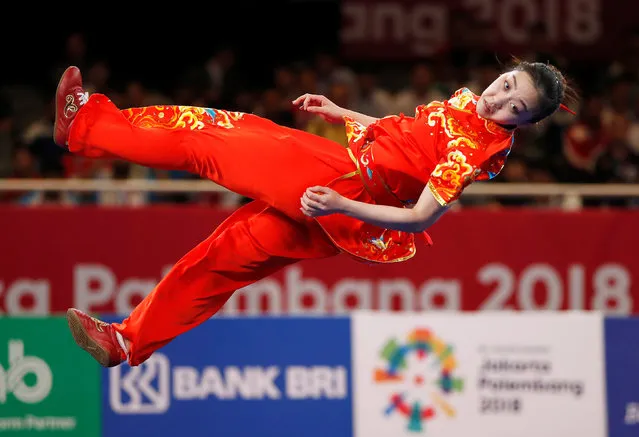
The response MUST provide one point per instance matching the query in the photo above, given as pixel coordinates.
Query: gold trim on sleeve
(435, 194)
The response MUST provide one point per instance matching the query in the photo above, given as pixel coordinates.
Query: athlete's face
(510, 100)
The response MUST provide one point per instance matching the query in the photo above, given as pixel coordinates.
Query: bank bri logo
(424, 364)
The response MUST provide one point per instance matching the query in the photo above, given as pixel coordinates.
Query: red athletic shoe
(69, 98)
(96, 337)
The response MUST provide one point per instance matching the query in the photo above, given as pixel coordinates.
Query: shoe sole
(85, 341)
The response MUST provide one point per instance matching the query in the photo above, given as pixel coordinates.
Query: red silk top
(446, 146)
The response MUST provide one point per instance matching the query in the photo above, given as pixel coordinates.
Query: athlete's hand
(318, 201)
(320, 105)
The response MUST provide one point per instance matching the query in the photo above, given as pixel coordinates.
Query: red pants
(244, 153)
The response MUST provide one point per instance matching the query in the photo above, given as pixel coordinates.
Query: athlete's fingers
(316, 197)
(300, 99)
(311, 203)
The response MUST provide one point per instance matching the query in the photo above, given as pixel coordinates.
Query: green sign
(47, 386)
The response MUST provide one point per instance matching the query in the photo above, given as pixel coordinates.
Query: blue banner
(238, 377)
(622, 365)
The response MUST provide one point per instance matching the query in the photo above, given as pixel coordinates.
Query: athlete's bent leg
(253, 243)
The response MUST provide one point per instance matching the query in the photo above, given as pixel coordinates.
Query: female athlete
(313, 197)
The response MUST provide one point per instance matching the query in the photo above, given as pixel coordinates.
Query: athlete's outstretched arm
(318, 201)
(322, 106)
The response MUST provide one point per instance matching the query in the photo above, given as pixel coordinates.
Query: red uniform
(445, 146)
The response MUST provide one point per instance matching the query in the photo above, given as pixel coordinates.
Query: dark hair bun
(551, 85)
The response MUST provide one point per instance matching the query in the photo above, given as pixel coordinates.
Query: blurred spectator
(329, 71)
(38, 137)
(516, 171)
(628, 63)
(286, 83)
(120, 170)
(372, 99)
(276, 108)
(23, 166)
(307, 84)
(75, 53)
(632, 134)
(584, 142)
(46, 197)
(7, 140)
(422, 89)
(483, 74)
(600, 145)
(618, 105)
(340, 95)
(137, 95)
(96, 79)
(225, 79)
(618, 164)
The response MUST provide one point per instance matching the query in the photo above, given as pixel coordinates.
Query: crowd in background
(598, 145)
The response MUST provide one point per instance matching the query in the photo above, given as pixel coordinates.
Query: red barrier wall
(104, 260)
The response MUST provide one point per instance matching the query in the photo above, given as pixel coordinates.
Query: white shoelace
(84, 97)
(121, 341)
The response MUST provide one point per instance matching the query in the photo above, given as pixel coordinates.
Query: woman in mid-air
(313, 197)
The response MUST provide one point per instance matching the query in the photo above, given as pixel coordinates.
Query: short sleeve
(457, 169)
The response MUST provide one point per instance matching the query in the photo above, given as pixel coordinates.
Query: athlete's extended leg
(253, 243)
(247, 154)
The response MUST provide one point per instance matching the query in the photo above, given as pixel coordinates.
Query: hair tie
(567, 109)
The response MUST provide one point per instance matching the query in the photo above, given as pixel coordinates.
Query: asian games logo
(425, 366)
